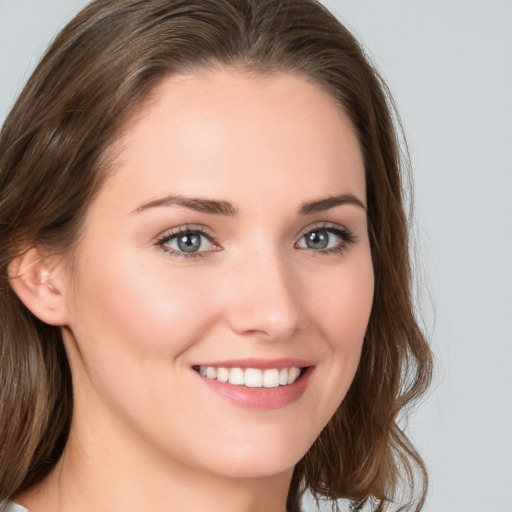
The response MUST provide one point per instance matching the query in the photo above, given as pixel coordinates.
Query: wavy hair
(54, 154)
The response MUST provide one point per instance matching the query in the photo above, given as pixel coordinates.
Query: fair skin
(267, 276)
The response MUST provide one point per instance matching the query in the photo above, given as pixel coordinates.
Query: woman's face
(229, 243)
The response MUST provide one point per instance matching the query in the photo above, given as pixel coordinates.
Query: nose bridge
(261, 297)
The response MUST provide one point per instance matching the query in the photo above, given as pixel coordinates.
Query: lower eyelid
(183, 255)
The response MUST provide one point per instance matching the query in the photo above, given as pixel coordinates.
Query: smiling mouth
(252, 377)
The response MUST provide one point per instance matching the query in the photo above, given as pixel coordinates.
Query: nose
(262, 297)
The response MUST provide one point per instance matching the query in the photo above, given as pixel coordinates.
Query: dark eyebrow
(330, 202)
(198, 204)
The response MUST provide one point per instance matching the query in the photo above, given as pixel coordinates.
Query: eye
(187, 242)
(326, 239)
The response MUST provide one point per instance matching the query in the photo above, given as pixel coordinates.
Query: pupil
(189, 242)
(317, 240)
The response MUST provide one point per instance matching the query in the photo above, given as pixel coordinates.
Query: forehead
(207, 133)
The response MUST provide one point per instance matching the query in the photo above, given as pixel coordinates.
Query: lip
(260, 398)
(262, 364)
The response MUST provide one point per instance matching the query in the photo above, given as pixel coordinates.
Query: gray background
(449, 65)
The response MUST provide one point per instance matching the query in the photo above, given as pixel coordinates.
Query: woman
(205, 277)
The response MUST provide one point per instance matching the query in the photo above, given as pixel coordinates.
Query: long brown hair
(54, 149)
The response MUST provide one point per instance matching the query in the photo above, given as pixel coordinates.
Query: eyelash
(184, 230)
(347, 238)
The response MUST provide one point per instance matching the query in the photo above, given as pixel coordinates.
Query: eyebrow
(330, 202)
(218, 207)
(197, 204)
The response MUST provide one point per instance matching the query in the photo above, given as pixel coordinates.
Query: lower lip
(260, 398)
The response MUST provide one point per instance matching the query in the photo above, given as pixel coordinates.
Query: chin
(261, 455)
(257, 467)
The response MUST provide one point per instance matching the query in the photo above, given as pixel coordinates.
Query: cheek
(342, 303)
(341, 307)
(135, 310)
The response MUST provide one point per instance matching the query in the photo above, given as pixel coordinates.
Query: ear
(39, 283)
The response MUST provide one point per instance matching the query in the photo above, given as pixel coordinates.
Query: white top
(13, 507)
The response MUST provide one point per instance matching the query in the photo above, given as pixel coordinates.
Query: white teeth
(293, 374)
(252, 377)
(222, 374)
(271, 378)
(211, 372)
(236, 376)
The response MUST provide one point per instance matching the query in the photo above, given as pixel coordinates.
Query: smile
(251, 377)
(257, 383)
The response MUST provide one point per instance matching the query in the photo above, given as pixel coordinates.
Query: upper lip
(263, 364)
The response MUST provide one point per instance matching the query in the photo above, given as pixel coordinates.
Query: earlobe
(37, 280)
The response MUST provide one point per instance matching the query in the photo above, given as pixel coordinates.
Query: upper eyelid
(185, 228)
(321, 225)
